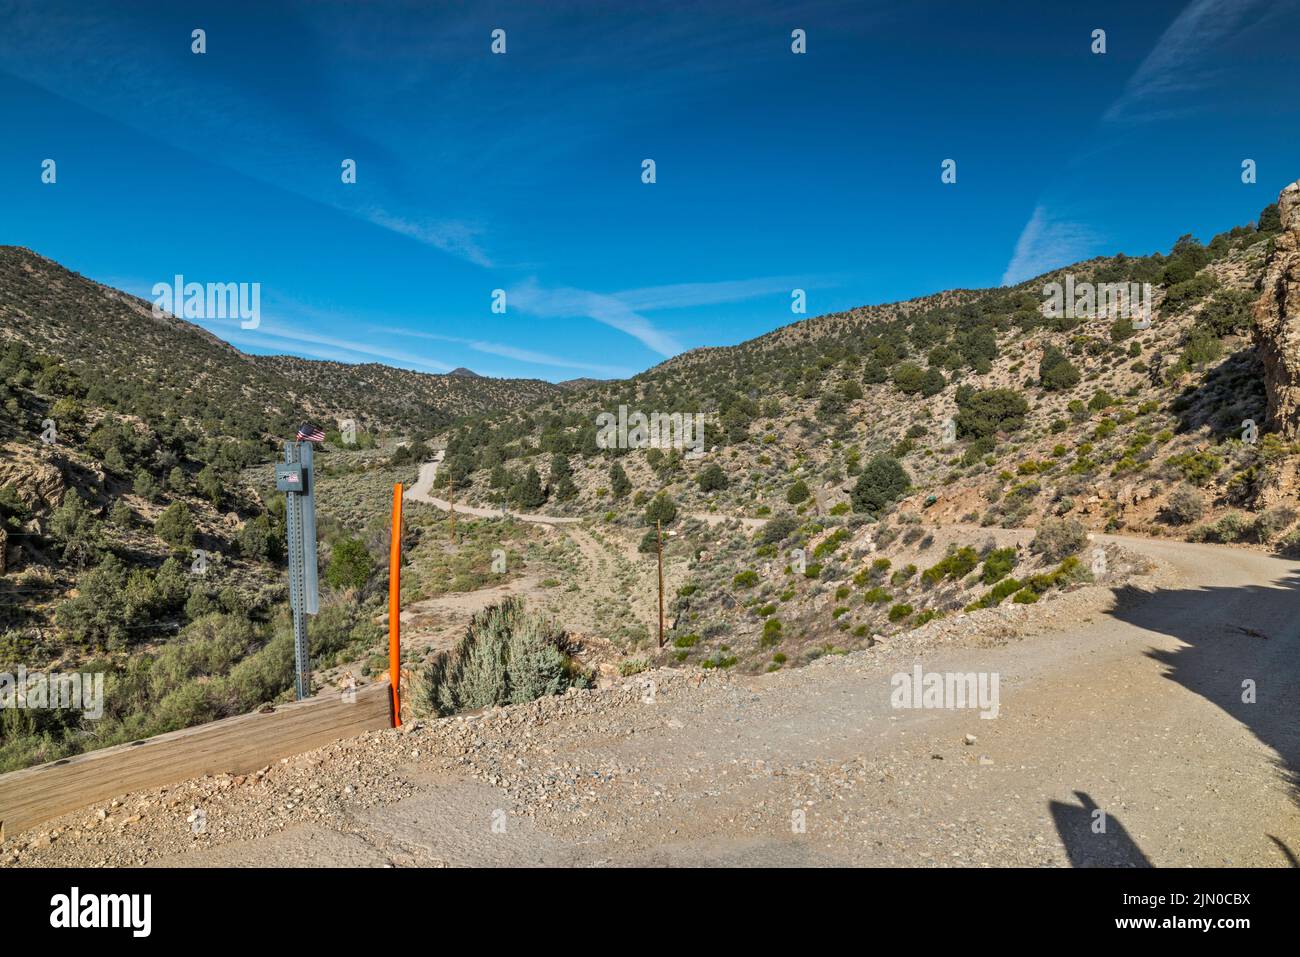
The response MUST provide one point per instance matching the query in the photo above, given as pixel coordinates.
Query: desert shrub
(987, 412)
(1055, 371)
(1200, 347)
(175, 525)
(1058, 538)
(1185, 505)
(77, 530)
(527, 491)
(900, 611)
(649, 542)
(1232, 527)
(1199, 468)
(997, 594)
(998, 564)
(1228, 312)
(798, 492)
(259, 540)
(619, 484)
(777, 530)
(876, 596)
(955, 566)
(1271, 523)
(121, 515)
(1183, 295)
(1101, 399)
(932, 384)
(711, 478)
(771, 633)
(507, 656)
(832, 542)
(746, 579)
(908, 378)
(902, 575)
(882, 482)
(350, 564)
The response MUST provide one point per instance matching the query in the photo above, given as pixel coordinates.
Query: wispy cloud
(690, 294)
(451, 236)
(1170, 68)
(512, 352)
(1045, 244)
(623, 310)
(568, 303)
(269, 336)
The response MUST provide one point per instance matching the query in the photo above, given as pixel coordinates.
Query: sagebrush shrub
(1058, 538)
(507, 656)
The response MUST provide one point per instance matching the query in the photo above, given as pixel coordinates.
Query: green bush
(175, 525)
(771, 633)
(1199, 468)
(882, 482)
(1055, 372)
(350, 564)
(998, 564)
(1229, 312)
(955, 566)
(987, 412)
(997, 594)
(711, 478)
(507, 656)
(898, 612)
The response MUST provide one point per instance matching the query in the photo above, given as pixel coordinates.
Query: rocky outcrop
(38, 483)
(1277, 320)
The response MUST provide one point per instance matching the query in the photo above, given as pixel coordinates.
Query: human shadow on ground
(1093, 838)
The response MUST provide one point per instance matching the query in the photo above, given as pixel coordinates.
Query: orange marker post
(395, 606)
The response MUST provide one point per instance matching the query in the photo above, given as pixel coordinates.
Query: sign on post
(295, 478)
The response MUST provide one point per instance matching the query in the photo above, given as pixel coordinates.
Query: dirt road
(422, 490)
(1125, 738)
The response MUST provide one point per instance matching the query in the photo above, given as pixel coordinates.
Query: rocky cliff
(1277, 319)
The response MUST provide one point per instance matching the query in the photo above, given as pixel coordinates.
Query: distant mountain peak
(468, 373)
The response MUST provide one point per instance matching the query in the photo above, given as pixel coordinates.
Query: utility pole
(451, 500)
(659, 538)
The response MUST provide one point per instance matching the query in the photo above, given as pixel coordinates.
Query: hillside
(167, 366)
(404, 400)
(835, 432)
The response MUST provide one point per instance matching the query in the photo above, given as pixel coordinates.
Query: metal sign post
(295, 478)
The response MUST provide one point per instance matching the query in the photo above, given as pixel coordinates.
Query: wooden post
(395, 606)
(659, 536)
(451, 501)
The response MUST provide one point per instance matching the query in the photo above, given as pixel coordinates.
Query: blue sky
(522, 171)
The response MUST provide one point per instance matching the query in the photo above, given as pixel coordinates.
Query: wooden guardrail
(235, 745)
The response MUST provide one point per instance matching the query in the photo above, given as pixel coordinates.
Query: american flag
(309, 433)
